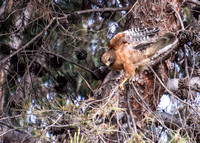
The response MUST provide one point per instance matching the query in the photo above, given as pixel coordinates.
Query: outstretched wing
(139, 37)
(140, 34)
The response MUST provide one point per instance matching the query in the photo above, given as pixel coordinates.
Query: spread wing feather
(140, 34)
(142, 46)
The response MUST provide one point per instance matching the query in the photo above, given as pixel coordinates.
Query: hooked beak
(107, 63)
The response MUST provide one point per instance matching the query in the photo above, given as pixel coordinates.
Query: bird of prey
(131, 50)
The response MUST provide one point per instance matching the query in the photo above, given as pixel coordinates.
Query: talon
(122, 84)
(130, 80)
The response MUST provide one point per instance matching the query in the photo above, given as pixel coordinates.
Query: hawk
(131, 50)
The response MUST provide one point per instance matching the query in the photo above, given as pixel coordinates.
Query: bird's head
(108, 58)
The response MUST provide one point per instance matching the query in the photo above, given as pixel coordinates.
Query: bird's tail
(140, 34)
(160, 43)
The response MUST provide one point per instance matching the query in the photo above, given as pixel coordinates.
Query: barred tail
(140, 34)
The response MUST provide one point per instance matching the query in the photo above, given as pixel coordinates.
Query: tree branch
(194, 2)
(101, 10)
(175, 84)
(174, 123)
(170, 120)
(27, 44)
(13, 134)
(69, 61)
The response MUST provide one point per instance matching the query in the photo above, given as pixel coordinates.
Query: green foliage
(177, 138)
(78, 138)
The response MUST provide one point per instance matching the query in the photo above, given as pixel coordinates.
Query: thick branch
(170, 121)
(175, 84)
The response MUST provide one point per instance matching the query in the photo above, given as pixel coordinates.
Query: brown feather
(134, 55)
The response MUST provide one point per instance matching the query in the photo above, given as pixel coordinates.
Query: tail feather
(140, 34)
(160, 43)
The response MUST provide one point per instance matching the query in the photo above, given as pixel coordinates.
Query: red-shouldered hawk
(131, 50)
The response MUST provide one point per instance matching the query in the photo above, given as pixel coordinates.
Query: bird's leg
(129, 69)
(130, 80)
(122, 84)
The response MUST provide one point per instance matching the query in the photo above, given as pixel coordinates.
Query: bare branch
(170, 120)
(69, 61)
(193, 83)
(101, 10)
(194, 2)
(27, 44)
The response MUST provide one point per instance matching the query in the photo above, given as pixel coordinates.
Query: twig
(186, 62)
(180, 19)
(27, 44)
(171, 93)
(129, 123)
(129, 108)
(85, 81)
(169, 119)
(140, 97)
(100, 10)
(130, 9)
(56, 121)
(23, 78)
(147, 108)
(69, 61)
(14, 128)
(111, 95)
